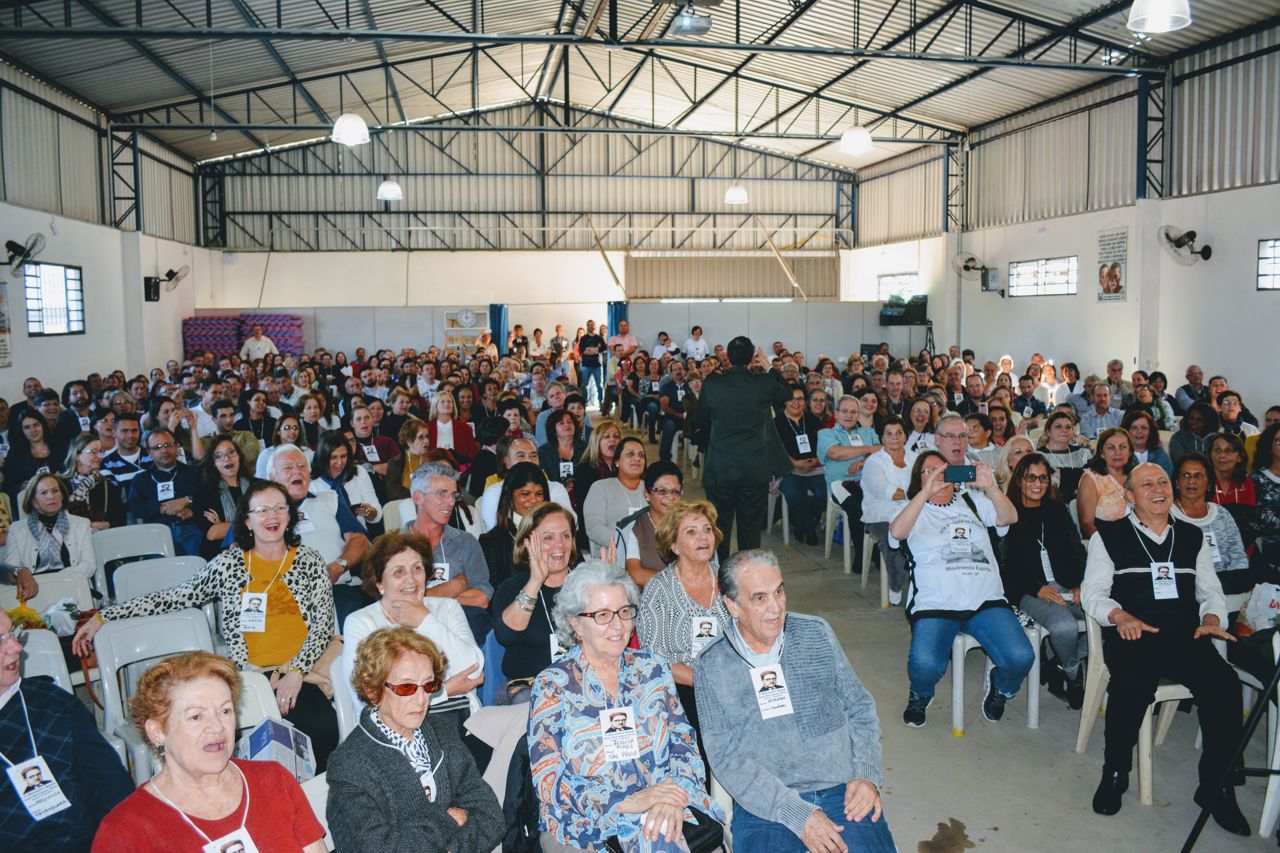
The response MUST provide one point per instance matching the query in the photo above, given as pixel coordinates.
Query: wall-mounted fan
(21, 254)
(174, 277)
(1181, 245)
(968, 265)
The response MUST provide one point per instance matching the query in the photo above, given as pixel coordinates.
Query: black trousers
(853, 506)
(746, 505)
(1136, 668)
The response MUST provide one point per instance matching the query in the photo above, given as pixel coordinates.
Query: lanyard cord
(248, 559)
(1141, 536)
(155, 789)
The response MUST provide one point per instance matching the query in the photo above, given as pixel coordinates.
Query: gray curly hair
(572, 599)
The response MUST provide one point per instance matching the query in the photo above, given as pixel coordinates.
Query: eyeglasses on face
(263, 511)
(410, 687)
(224, 455)
(1035, 478)
(953, 436)
(667, 493)
(1193, 475)
(164, 445)
(603, 617)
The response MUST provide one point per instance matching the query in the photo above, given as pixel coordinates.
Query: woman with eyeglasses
(636, 537)
(1192, 483)
(1043, 566)
(402, 780)
(615, 762)
(1069, 458)
(214, 506)
(288, 432)
(92, 496)
(266, 571)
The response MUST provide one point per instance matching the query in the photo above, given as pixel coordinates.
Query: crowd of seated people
(278, 470)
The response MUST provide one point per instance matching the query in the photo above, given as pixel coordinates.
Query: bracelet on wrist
(526, 602)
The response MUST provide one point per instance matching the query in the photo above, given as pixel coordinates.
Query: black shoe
(1226, 812)
(913, 716)
(1106, 800)
(1075, 689)
(993, 704)
(810, 537)
(1054, 680)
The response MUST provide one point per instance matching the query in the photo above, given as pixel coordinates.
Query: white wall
(121, 331)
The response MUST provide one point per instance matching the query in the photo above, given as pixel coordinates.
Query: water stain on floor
(950, 838)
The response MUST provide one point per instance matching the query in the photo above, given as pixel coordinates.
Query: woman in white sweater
(612, 499)
(885, 478)
(47, 538)
(396, 572)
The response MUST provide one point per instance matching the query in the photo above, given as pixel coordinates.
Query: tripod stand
(1255, 717)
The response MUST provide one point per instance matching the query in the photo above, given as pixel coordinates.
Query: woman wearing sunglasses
(402, 780)
(609, 742)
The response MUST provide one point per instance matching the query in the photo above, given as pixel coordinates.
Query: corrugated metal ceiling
(117, 77)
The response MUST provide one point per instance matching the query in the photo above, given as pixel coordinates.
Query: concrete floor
(1002, 786)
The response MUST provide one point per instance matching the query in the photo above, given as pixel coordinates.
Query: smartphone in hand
(960, 474)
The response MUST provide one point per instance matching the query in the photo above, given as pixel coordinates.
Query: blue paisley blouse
(579, 791)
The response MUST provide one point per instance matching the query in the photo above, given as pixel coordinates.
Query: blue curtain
(617, 314)
(498, 325)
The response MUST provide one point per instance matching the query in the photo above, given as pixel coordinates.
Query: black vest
(1132, 585)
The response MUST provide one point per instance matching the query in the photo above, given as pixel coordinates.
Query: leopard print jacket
(224, 577)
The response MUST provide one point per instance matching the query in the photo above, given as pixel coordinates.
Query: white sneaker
(895, 597)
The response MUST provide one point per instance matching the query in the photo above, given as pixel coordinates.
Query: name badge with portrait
(557, 650)
(566, 470)
(802, 443)
(84, 424)
(1163, 584)
(703, 631)
(1213, 547)
(35, 786)
(679, 394)
(958, 397)
(371, 453)
(305, 525)
(253, 612)
(1046, 566)
(164, 491)
(1028, 412)
(618, 727)
(428, 780)
(439, 574)
(771, 691)
(238, 841)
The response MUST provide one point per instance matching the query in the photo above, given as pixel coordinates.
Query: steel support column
(126, 181)
(846, 231)
(953, 189)
(213, 207)
(1150, 150)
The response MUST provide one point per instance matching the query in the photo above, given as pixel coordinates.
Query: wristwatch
(342, 562)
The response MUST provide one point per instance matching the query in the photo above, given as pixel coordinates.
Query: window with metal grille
(904, 284)
(55, 300)
(1269, 265)
(1045, 277)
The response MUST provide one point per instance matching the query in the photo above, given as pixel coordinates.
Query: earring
(160, 749)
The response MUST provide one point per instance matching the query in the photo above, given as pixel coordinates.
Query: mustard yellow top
(286, 629)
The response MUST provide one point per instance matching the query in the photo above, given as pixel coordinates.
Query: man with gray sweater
(789, 730)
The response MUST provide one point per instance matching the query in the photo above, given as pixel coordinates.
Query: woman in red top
(449, 433)
(1231, 484)
(186, 707)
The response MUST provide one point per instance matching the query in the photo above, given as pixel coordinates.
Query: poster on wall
(6, 353)
(1113, 264)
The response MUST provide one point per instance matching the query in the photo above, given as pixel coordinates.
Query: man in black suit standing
(744, 452)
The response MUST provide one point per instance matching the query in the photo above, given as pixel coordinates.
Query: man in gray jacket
(801, 759)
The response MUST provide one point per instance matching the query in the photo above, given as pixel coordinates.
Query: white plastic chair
(774, 497)
(123, 643)
(317, 790)
(1095, 686)
(394, 513)
(691, 455)
(144, 577)
(42, 655)
(257, 701)
(834, 511)
(344, 700)
(1074, 512)
(961, 646)
(135, 540)
(54, 586)
(868, 542)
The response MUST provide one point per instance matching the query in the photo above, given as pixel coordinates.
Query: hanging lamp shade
(1159, 16)
(389, 190)
(736, 194)
(856, 140)
(350, 130)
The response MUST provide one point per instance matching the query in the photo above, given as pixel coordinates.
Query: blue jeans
(996, 629)
(806, 499)
(753, 833)
(589, 376)
(669, 428)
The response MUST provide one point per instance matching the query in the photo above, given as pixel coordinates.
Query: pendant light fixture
(855, 141)
(389, 190)
(1159, 16)
(350, 130)
(736, 195)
